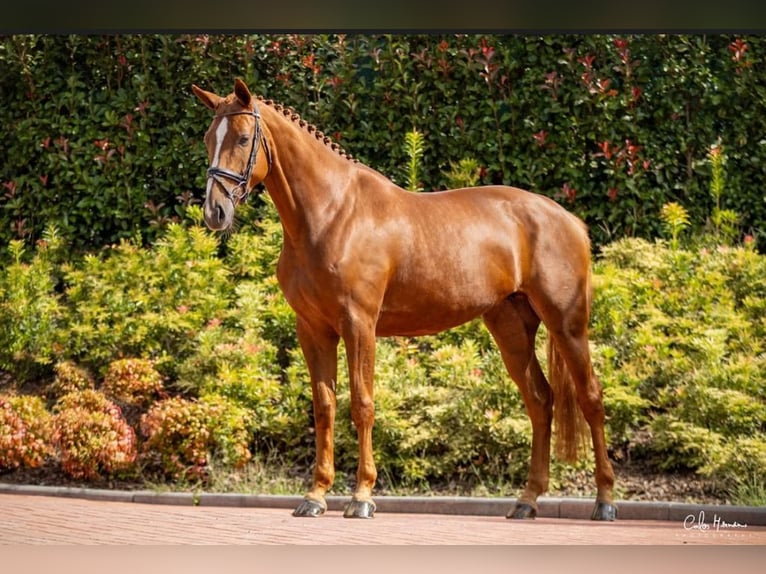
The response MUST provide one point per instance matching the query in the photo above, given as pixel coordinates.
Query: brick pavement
(45, 520)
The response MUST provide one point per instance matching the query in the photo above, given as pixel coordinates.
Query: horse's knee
(324, 412)
(363, 412)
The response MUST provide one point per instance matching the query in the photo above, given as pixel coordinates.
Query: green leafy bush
(183, 436)
(681, 357)
(464, 173)
(25, 427)
(30, 313)
(132, 381)
(91, 435)
(252, 258)
(149, 303)
(239, 364)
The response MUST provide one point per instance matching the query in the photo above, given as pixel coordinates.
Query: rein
(241, 179)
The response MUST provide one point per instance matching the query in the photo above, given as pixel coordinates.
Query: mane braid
(295, 117)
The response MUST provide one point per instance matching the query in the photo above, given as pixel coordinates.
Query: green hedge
(101, 135)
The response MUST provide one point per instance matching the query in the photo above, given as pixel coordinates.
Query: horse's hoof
(522, 510)
(360, 509)
(309, 508)
(604, 511)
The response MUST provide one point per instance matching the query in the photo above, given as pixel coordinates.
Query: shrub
(91, 435)
(686, 446)
(251, 257)
(464, 173)
(134, 302)
(249, 380)
(70, 378)
(30, 313)
(25, 428)
(132, 381)
(680, 354)
(183, 436)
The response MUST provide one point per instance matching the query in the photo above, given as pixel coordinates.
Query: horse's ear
(210, 99)
(242, 92)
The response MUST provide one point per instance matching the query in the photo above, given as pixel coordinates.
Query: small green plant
(724, 220)
(30, 312)
(132, 381)
(749, 490)
(464, 173)
(675, 218)
(91, 435)
(414, 147)
(25, 427)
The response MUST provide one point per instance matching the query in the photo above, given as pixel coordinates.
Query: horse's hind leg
(567, 322)
(513, 325)
(573, 347)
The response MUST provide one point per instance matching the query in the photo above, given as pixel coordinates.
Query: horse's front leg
(359, 338)
(320, 348)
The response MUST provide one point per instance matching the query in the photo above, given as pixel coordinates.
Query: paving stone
(45, 520)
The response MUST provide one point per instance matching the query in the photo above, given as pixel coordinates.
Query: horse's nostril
(220, 213)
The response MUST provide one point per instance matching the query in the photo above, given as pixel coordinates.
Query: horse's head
(233, 141)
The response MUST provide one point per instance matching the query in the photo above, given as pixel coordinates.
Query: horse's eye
(243, 140)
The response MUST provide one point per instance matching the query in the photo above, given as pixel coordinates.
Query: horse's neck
(306, 177)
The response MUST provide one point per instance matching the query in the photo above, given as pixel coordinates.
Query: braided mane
(310, 128)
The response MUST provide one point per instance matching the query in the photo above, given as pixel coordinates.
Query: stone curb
(549, 507)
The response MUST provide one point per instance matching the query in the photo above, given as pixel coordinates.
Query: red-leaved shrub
(92, 436)
(132, 381)
(183, 436)
(25, 427)
(70, 378)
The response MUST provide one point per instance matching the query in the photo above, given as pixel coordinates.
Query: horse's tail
(571, 431)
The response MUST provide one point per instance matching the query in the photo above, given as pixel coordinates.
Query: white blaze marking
(220, 134)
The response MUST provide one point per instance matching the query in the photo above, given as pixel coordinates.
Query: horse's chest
(308, 289)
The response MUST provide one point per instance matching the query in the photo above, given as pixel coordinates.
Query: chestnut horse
(363, 258)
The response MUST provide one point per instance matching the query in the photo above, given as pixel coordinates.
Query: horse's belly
(408, 325)
(427, 312)
(453, 283)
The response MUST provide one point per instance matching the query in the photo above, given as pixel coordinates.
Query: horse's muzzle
(219, 215)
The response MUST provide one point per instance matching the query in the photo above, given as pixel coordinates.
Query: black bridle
(240, 179)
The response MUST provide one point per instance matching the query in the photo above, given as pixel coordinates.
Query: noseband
(219, 174)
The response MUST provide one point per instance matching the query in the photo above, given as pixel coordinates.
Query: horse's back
(493, 217)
